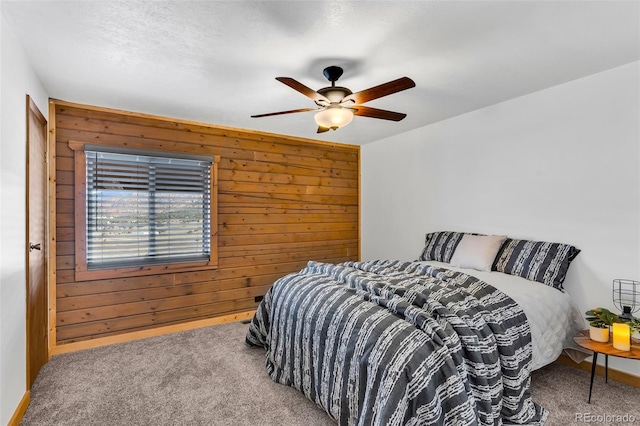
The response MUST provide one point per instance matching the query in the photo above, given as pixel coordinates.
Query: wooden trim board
(359, 206)
(617, 375)
(136, 335)
(20, 409)
(52, 248)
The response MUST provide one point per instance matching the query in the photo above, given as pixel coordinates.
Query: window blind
(144, 209)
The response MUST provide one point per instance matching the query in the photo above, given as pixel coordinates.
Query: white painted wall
(558, 165)
(17, 80)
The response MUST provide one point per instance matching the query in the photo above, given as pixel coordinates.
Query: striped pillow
(439, 246)
(535, 260)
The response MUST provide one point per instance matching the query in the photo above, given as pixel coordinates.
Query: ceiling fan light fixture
(334, 117)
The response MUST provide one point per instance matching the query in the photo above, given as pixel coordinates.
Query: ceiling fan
(337, 105)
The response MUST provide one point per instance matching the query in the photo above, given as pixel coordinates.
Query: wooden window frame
(80, 201)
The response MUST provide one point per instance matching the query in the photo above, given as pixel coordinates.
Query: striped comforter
(391, 343)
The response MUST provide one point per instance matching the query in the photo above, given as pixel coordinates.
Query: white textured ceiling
(216, 61)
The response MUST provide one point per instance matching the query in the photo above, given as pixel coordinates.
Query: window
(143, 211)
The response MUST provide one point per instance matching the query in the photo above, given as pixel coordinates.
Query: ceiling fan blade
(308, 92)
(385, 89)
(364, 111)
(322, 129)
(285, 112)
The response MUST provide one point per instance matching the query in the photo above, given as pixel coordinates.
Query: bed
(393, 342)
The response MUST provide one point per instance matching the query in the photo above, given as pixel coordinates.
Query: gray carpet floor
(209, 377)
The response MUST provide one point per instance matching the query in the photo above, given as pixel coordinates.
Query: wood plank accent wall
(282, 201)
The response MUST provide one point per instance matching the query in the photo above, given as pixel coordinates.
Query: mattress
(552, 316)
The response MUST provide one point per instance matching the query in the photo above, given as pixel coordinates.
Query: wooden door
(37, 343)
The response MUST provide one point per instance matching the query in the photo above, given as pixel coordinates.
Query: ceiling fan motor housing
(335, 94)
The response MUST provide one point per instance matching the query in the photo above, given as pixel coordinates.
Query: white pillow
(477, 251)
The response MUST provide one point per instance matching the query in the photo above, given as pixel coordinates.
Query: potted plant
(600, 319)
(634, 324)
